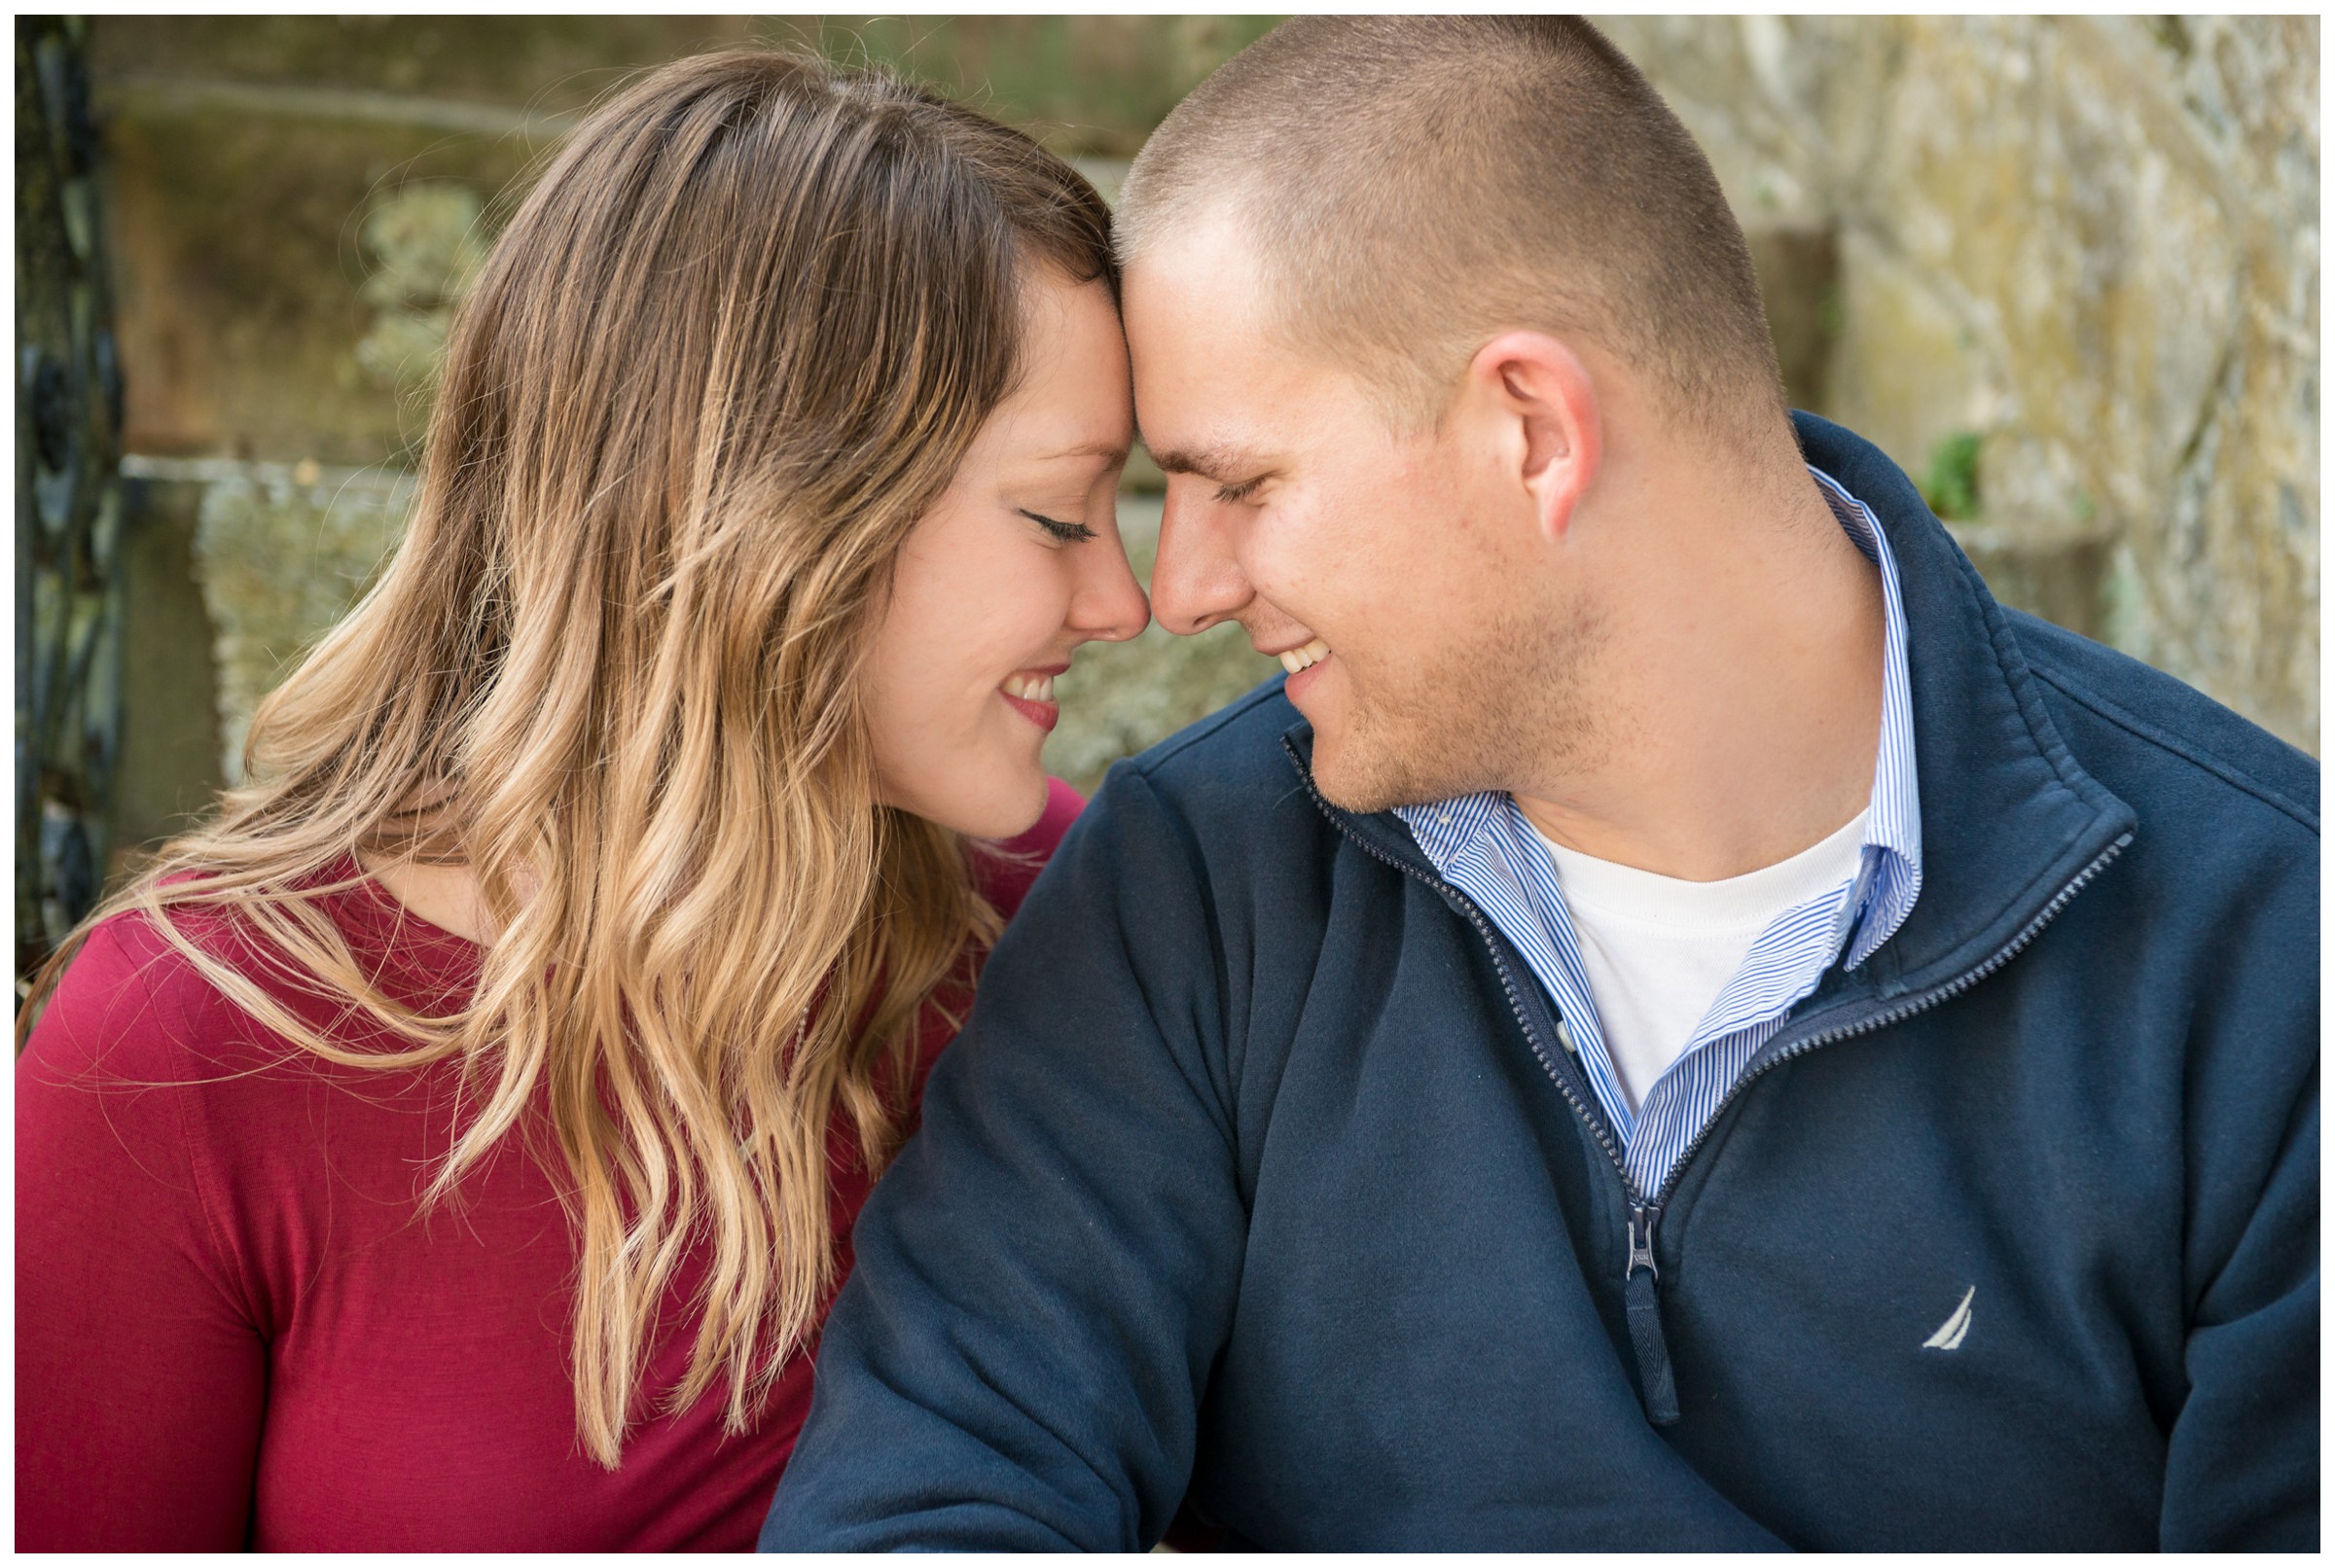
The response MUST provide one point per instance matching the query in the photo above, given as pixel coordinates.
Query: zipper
(1657, 1387)
(1889, 1015)
(1484, 929)
(1643, 1312)
(1640, 1275)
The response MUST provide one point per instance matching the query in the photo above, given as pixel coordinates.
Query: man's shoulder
(1223, 795)
(2167, 747)
(1239, 748)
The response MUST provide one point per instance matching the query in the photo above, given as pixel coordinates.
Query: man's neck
(1739, 692)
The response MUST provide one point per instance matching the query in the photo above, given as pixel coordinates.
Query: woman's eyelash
(1241, 492)
(1069, 533)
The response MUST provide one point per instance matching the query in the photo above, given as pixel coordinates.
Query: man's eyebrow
(1219, 463)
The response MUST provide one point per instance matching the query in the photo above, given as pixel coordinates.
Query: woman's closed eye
(1069, 533)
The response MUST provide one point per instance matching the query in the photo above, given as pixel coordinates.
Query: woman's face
(1017, 564)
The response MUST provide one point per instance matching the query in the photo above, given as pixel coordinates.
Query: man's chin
(1367, 779)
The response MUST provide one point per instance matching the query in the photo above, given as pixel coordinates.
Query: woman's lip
(1045, 715)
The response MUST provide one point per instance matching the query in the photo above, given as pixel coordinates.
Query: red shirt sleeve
(141, 1374)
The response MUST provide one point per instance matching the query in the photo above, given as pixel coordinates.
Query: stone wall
(2078, 292)
(2066, 270)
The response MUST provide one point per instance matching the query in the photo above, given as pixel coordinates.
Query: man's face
(1408, 566)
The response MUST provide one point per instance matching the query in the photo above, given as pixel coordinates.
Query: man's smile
(1298, 659)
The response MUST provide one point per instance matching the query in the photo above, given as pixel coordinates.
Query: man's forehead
(1228, 407)
(1210, 385)
(1205, 267)
(1219, 392)
(1194, 316)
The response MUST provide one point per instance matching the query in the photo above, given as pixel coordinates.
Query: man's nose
(1196, 582)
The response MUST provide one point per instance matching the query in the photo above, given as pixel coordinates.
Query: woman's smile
(1030, 694)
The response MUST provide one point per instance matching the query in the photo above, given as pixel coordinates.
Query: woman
(454, 1143)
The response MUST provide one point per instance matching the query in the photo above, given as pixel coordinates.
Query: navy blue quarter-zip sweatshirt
(1263, 1178)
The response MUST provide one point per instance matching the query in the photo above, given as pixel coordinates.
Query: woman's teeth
(1030, 687)
(1306, 658)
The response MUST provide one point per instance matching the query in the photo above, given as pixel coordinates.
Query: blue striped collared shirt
(1482, 845)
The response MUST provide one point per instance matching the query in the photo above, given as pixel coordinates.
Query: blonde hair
(729, 349)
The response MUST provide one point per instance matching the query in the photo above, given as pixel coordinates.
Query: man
(1681, 1024)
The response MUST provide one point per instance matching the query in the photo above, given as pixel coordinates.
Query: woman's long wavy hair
(726, 353)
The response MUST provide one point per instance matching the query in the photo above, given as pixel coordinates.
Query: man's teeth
(1030, 687)
(1306, 658)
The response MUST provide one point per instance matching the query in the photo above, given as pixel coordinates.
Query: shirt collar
(1890, 879)
(1893, 874)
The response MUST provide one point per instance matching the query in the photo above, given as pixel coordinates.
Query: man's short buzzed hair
(1414, 185)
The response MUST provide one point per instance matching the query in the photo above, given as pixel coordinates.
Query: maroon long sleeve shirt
(235, 1328)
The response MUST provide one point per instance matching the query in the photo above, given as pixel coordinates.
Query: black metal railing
(69, 522)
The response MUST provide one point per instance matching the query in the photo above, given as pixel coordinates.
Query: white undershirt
(1658, 950)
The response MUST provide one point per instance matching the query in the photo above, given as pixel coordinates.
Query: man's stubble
(1510, 703)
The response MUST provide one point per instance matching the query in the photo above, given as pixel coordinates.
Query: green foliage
(1092, 86)
(1951, 487)
(425, 243)
(1832, 312)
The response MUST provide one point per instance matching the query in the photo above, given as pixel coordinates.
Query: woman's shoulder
(133, 1006)
(1006, 874)
(135, 1058)
(135, 1001)
(154, 1075)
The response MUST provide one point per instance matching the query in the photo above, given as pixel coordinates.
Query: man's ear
(1540, 393)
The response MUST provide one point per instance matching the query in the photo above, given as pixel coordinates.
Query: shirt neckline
(1729, 905)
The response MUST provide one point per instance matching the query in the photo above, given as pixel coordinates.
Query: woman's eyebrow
(1115, 450)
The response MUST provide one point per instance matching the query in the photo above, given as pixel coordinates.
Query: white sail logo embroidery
(1950, 1331)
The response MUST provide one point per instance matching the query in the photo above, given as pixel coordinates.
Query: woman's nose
(1109, 605)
